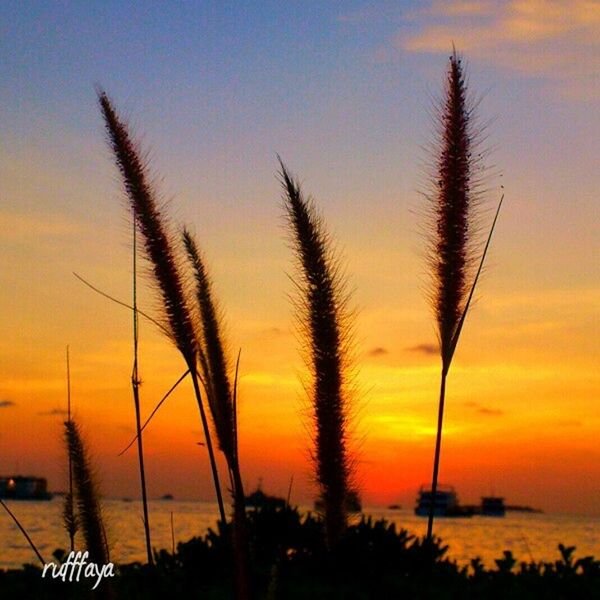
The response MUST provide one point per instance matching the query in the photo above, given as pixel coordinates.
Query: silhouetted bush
(289, 560)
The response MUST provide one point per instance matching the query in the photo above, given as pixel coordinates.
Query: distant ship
(18, 487)
(167, 497)
(445, 504)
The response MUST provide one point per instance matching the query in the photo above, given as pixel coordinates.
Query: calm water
(527, 535)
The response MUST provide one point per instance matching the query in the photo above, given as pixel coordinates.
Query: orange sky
(522, 416)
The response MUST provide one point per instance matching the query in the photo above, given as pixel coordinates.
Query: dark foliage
(290, 561)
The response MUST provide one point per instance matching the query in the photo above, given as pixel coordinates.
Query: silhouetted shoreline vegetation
(289, 559)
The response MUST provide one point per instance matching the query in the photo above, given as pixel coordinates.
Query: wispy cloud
(484, 410)
(6, 403)
(493, 412)
(557, 40)
(53, 412)
(378, 351)
(424, 349)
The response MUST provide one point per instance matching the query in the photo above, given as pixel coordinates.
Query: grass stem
(135, 385)
(18, 524)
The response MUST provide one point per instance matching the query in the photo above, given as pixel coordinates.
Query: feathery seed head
(323, 322)
(453, 199)
(214, 365)
(152, 225)
(86, 495)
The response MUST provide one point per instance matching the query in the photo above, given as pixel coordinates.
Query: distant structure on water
(18, 487)
(493, 506)
(445, 503)
(258, 499)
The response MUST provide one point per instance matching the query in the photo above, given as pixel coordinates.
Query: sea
(530, 537)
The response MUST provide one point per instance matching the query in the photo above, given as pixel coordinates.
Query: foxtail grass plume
(215, 368)
(454, 204)
(454, 196)
(68, 515)
(151, 223)
(161, 255)
(323, 319)
(213, 363)
(87, 499)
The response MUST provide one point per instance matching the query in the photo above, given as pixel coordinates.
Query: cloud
(378, 351)
(484, 410)
(557, 40)
(424, 349)
(53, 412)
(493, 412)
(6, 403)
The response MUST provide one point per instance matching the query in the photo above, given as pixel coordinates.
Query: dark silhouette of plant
(151, 223)
(221, 401)
(373, 559)
(135, 386)
(324, 321)
(87, 499)
(213, 361)
(69, 518)
(453, 199)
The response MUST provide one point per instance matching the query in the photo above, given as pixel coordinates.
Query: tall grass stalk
(23, 531)
(323, 318)
(86, 496)
(215, 368)
(160, 326)
(155, 410)
(69, 517)
(222, 402)
(151, 223)
(454, 198)
(135, 386)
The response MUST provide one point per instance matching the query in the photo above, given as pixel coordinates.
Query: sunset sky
(343, 92)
